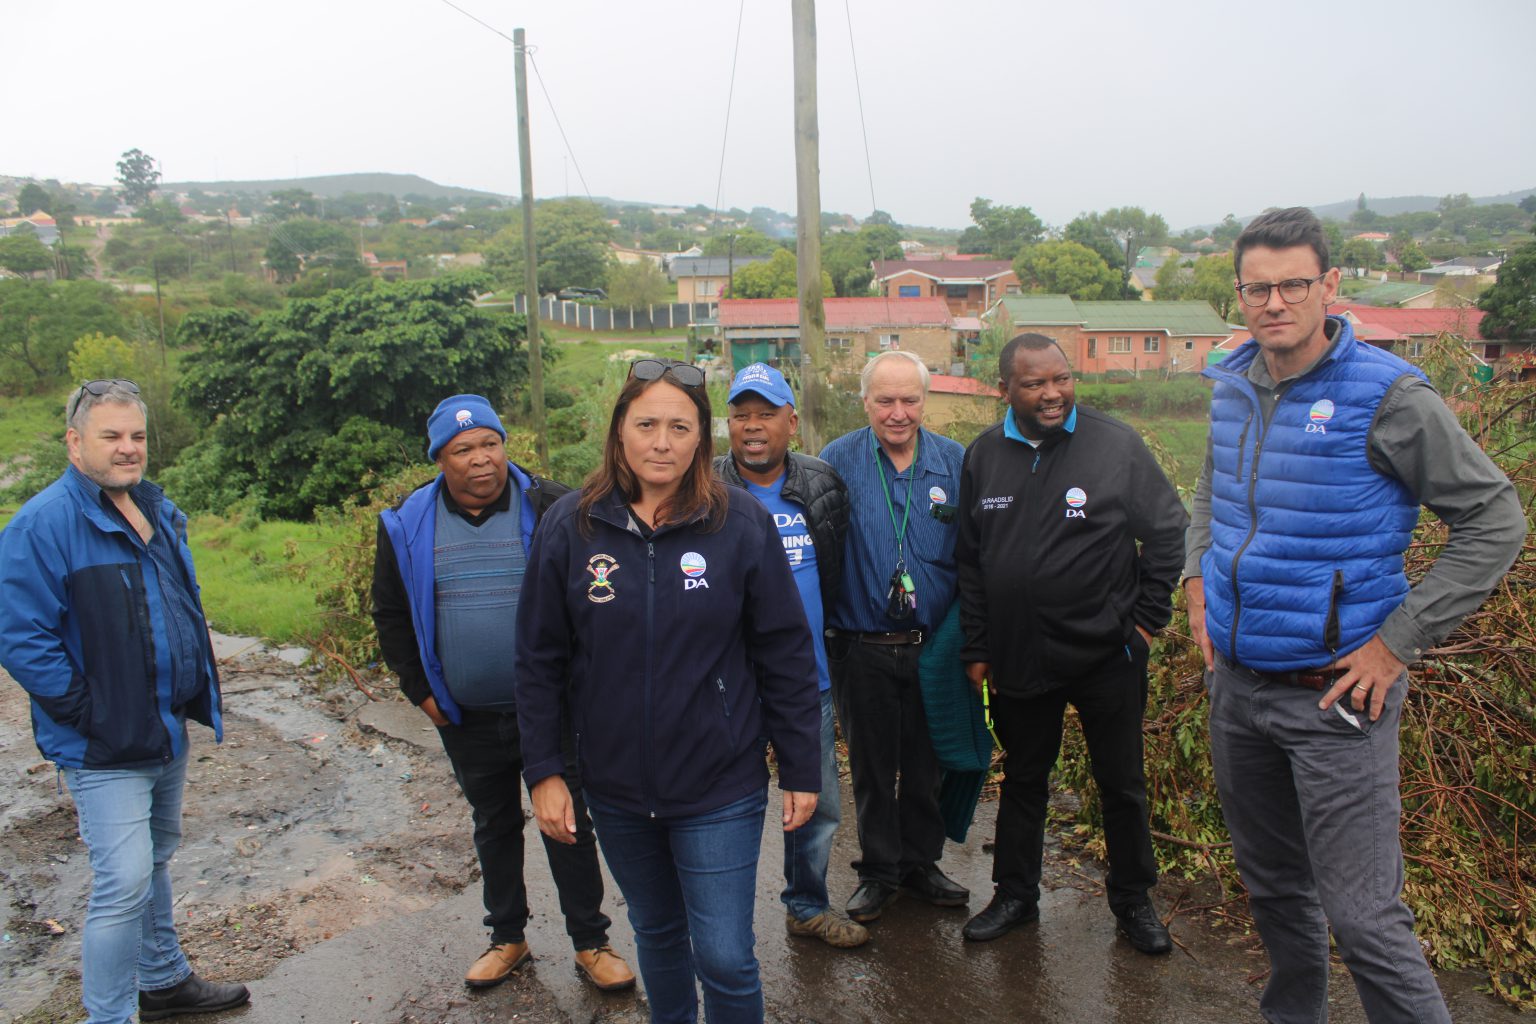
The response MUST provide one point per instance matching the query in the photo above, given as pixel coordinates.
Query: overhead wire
(730, 92)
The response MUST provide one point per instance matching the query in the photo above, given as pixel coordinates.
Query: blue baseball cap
(764, 380)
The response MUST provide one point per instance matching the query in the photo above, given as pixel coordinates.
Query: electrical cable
(730, 92)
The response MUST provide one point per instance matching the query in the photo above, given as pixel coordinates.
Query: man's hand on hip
(1194, 601)
(1371, 672)
(430, 707)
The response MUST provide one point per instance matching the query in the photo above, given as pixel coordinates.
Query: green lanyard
(885, 488)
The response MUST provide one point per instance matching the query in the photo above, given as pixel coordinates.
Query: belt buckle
(919, 635)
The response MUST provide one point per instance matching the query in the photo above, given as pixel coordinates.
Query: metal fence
(584, 315)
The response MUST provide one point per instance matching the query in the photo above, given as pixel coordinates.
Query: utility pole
(813, 317)
(229, 224)
(530, 263)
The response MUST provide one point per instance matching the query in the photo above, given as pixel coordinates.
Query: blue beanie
(461, 412)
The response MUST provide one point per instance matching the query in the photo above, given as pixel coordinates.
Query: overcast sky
(1189, 108)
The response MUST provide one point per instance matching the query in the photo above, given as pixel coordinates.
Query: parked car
(582, 294)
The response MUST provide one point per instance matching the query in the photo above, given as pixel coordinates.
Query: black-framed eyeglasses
(98, 388)
(1292, 290)
(685, 374)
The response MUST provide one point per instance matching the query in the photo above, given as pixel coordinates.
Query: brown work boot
(605, 969)
(497, 964)
(830, 927)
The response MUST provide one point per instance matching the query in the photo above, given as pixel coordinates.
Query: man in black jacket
(446, 578)
(809, 504)
(1071, 541)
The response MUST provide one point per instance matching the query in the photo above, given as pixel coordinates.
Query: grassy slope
(27, 419)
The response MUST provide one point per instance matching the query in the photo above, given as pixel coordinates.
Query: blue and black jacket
(82, 628)
(404, 582)
(657, 638)
(1307, 535)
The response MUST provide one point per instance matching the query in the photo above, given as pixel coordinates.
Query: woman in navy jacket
(659, 608)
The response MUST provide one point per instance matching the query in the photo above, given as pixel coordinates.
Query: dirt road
(327, 861)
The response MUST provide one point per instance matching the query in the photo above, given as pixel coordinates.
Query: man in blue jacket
(1322, 449)
(447, 573)
(101, 622)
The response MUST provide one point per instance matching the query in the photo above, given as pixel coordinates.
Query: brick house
(969, 287)
(1130, 336)
(768, 331)
(705, 278)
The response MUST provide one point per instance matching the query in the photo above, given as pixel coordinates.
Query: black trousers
(487, 757)
(1111, 703)
(890, 754)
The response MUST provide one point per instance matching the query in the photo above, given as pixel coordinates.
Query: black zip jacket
(1063, 550)
(815, 487)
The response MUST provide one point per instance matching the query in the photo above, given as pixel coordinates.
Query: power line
(729, 93)
(529, 51)
(869, 166)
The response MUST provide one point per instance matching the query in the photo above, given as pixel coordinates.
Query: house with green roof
(1129, 337)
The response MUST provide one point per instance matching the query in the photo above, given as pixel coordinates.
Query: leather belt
(1311, 678)
(908, 636)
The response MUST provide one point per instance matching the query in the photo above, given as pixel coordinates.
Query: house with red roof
(960, 399)
(768, 331)
(969, 287)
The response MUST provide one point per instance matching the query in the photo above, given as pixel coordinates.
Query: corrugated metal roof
(1033, 310)
(1464, 321)
(1389, 293)
(1180, 318)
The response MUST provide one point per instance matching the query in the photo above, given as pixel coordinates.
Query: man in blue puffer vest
(1322, 450)
(446, 578)
(101, 622)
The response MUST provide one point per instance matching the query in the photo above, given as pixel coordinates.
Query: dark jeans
(487, 760)
(1110, 704)
(890, 755)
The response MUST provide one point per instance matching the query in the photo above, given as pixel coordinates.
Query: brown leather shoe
(605, 969)
(497, 964)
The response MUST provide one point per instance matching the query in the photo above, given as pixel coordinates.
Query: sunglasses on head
(684, 374)
(99, 388)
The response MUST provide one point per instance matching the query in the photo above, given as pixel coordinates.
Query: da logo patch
(463, 416)
(1319, 415)
(693, 565)
(1076, 499)
(602, 568)
(937, 495)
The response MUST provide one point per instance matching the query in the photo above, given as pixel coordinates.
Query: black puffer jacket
(816, 487)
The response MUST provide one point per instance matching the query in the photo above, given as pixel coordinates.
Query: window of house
(1493, 351)
(1093, 348)
(1120, 345)
(957, 291)
(706, 286)
(1011, 289)
(1151, 343)
(1189, 346)
(909, 291)
(1413, 349)
(889, 341)
(839, 343)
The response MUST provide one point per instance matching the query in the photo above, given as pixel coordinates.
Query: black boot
(192, 995)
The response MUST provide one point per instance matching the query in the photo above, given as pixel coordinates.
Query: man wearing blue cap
(809, 504)
(446, 576)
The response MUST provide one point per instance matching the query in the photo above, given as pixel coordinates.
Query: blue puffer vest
(1307, 538)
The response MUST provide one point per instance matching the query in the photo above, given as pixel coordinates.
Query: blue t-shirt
(800, 549)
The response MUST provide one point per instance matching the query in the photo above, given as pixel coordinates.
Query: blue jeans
(808, 848)
(690, 884)
(1311, 800)
(130, 819)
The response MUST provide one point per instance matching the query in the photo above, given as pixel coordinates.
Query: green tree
(1213, 281)
(1118, 234)
(24, 254)
(1227, 231)
(638, 284)
(748, 242)
(1000, 231)
(1455, 201)
(1528, 204)
(1066, 268)
(1510, 304)
(275, 389)
(32, 198)
(39, 322)
(1358, 252)
(136, 173)
(297, 244)
(774, 278)
(1088, 229)
(162, 213)
(572, 239)
(1407, 252)
(288, 203)
(1174, 281)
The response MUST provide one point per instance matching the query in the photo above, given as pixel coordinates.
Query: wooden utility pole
(813, 317)
(530, 258)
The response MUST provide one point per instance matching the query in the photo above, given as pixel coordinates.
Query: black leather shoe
(1002, 916)
(870, 899)
(1143, 929)
(192, 995)
(936, 887)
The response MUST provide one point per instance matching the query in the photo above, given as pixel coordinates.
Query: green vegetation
(261, 578)
(27, 419)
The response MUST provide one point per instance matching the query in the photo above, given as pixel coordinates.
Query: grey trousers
(1311, 800)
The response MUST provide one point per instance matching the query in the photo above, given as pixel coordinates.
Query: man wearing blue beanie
(446, 577)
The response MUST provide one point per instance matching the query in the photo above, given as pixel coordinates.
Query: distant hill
(1408, 204)
(333, 186)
